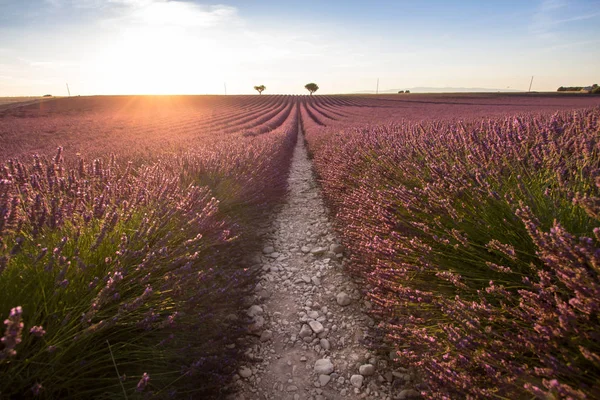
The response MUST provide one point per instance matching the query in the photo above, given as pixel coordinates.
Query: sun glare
(149, 61)
(158, 56)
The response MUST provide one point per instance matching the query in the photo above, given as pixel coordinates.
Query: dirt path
(310, 324)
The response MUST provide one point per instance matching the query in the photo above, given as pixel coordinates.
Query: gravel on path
(310, 321)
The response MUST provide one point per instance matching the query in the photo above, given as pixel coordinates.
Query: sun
(163, 47)
(157, 60)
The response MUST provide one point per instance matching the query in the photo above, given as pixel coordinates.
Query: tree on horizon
(311, 87)
(260, 88)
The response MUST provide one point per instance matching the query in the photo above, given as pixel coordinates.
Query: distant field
(13, 100)
(7, 103)
(423, 106)
(133, 125)
(96, 125)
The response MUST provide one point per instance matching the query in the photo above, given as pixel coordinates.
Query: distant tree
(570, 88)
(596, 90)
(407, 91)
(400, 91)
(260, 88)
(311, 87)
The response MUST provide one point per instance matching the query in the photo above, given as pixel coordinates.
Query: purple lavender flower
(37, 389)
(12, 334)
(37, 331)
(141, 386)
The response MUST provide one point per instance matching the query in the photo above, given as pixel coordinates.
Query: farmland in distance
(148, 125)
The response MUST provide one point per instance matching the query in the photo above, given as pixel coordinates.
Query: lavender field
(131, 252)
(127, 226)
(477, 239)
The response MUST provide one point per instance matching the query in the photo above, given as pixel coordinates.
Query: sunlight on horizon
(157, 55)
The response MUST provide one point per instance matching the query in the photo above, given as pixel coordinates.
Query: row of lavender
(124, 281)
(480, 243)
(132, 125)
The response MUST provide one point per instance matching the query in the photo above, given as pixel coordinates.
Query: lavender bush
(123, 280)
(480, 241)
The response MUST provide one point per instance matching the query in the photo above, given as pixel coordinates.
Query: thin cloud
(155, 12)
(159, 12)
(51, 64)
(551, 15)
(548, 5)
(181, 13)
(570, 45)
(75, 3)
(544, 19)
(55, 3)
(577, 18)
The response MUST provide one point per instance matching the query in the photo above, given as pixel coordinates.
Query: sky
(204, 47)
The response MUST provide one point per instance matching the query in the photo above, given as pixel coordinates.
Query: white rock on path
(323, 366)
(305, 331)
(266, 335)
(316, 326)
(254, 310)
(317, 251)
(268, 249)
(343, 299)
(366, 369)
(245, 372)
(357, 381)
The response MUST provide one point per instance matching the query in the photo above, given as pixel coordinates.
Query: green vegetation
(591, 89)
(311, 87)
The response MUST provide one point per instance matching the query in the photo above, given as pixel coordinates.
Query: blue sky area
(160, 46)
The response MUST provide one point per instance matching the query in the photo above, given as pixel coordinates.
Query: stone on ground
(343, 299)
(324, 379)
(316, 326)
(336, 248)
(366, 369)
(323, 366)
(268, 249)
(245, 372)
(357, 381)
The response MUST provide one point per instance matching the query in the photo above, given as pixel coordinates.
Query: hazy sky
(161, 46)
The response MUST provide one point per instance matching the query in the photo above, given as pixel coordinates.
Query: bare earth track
(309, 317)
